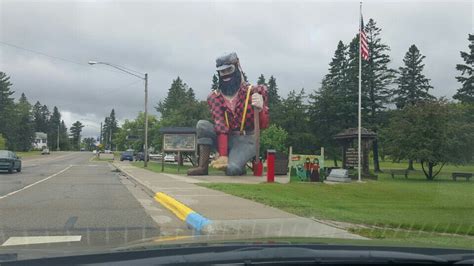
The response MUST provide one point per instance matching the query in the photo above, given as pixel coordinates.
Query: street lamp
(145, 78)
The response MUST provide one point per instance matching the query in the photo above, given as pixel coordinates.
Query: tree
(180, 107)
(131, 135)
(24, 129)
(274, 137)
(109, 128)
(295, 121)
(430, 132)
(54, 128)
(76, 130)
(465, 94)
(328, 107)
(377, 77)
(88, 143)
(215, 82)
(40, 115)
(64, 141)
(413, 86)
(274, 100)
(261, 80)
(7, 107)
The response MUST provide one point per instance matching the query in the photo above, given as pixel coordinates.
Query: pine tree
(274, 101)
(175, 99)
(377, 77)
(413, 86)
(7, 107)
(53, 128)
(261, 80)
(76, 130)
(465, 94)
(64, 141)
(24, 129)
(215, 82)
(328, 105)
(180, 107)
(295, 121)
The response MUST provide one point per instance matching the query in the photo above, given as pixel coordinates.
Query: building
(41, 141)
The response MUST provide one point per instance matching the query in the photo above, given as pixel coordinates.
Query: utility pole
(100, 136)
(110, 138)
(57, 145)
(145, 164)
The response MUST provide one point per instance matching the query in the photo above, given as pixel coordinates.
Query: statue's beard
(230, 87)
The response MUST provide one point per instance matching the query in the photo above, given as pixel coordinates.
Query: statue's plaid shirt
(218, 108)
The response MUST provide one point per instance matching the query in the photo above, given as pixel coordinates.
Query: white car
(157, 156)
(170, 158)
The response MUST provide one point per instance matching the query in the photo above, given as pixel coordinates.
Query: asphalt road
(69, 195)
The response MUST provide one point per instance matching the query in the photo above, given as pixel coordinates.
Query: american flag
(364, 47)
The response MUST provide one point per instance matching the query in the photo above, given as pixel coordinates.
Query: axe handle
(256, 120)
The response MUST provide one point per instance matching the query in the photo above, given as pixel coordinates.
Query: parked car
(83, 149)
(157, 156)
(9, 161)
(107, 151)
(45, 151)
(170, 158)
(141, 157)
(126, 155)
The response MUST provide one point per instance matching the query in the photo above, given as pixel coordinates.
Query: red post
(271, 166)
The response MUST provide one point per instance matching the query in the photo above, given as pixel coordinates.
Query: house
(41, 141)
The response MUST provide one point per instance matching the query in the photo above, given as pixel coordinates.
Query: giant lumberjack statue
(233, 107)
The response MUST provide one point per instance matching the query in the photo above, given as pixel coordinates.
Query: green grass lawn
(439, 207)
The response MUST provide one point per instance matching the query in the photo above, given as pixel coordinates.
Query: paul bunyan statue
(233, 107)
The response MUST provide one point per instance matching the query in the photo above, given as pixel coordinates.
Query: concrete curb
(193, 219)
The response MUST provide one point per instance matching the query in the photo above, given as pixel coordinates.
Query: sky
(45, 46)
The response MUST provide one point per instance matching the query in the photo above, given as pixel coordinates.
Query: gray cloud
(294, 41)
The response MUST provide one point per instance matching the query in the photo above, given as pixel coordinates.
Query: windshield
(157, 122)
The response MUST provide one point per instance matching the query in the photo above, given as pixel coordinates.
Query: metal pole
(110, 138)
(360, 100)
(145, 164)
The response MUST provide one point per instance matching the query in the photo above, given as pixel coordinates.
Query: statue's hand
(257, 101)
(220, 163)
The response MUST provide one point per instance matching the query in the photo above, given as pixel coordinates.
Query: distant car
(157, 156)
(94, 151)
(9, 161)
(45, 151)
(141, 157)
(107, 151)
(170, 158)
(126, 155)
(83, 149)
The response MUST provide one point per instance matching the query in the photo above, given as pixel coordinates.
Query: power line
(51, 56)
(41, 53)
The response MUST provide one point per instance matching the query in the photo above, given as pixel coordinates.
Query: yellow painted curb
(178, 208)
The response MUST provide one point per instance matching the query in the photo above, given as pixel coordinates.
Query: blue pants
(241, 147)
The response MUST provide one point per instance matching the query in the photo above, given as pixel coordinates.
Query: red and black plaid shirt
(218, 107)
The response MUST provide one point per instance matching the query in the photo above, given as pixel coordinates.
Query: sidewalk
(231, 215)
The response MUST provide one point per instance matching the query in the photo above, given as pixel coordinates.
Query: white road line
(30, 240)
(35, 183)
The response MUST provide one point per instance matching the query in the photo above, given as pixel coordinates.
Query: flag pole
(360, 100)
